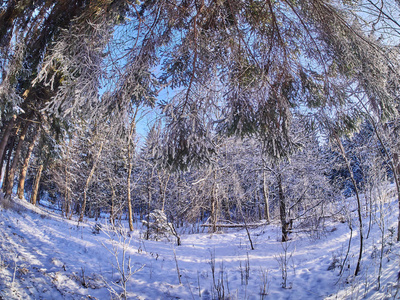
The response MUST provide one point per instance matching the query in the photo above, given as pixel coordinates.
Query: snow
(44, 256)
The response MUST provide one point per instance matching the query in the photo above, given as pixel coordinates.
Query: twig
(177, 267)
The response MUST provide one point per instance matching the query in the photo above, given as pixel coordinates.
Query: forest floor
(44, 256)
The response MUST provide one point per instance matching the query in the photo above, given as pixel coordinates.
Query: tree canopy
(240, 67)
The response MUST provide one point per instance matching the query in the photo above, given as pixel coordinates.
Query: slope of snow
(43, 256)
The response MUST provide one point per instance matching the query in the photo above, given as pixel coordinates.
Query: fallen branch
(234, 225)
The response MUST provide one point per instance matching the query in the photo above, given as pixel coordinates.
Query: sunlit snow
(44, 256)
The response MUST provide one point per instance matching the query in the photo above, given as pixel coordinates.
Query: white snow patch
(43, 256)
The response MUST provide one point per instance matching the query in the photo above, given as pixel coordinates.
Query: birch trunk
(130, 214)
(282, 210)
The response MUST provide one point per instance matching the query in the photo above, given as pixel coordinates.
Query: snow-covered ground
(43, 256)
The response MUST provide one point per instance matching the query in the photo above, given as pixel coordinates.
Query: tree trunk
(2, 159)
(226, 208)
(214, 204)
(149, 197)
(9, 155)
(358, 203)
(88, 182)
(11, 174)
(68, 210)
(67, 206)
(130, 213)
(130, 157)
(163, 189)
(6, 135)
(396, 162)
(6, 170)
(113, 196)
(25, 165)
(67, 197)
(282, 210)
(35, 190)
(266, 196)
(10, 146)
(259, 207)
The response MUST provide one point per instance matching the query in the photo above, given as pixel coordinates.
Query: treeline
(89, 175)
(277, 109)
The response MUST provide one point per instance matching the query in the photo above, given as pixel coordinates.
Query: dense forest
(202, 113)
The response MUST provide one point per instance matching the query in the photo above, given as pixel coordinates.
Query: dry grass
(5, 202)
